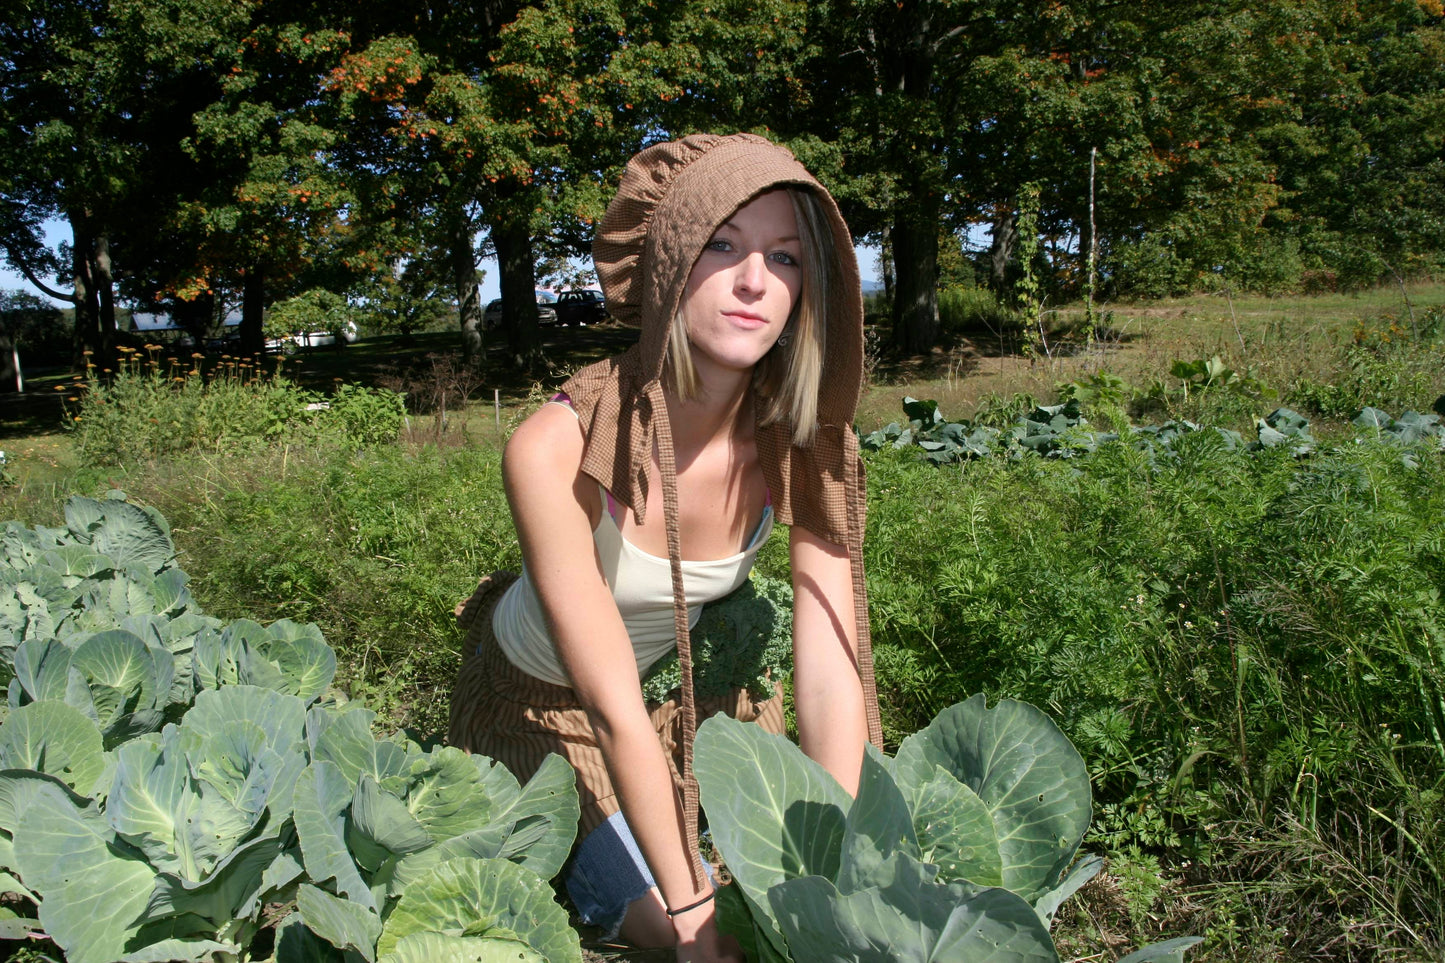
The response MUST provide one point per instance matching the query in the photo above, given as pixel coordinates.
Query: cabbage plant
(959, 848)
(166, 777)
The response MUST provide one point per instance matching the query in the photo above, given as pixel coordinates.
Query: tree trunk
(197, 316)
(9, 368)
(885, 262)
(518, 280)
(87, 304)
(1004, 235)
(105, 295)
(464, 280)
(253, 311)
(915, 299)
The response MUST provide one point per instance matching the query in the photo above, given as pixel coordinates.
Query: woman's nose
(752, 275)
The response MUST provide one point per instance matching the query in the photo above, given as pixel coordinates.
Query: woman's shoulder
(549, 439)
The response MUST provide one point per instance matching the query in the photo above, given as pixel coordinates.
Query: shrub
(963, 310)
(156, 406)
(1388, 364)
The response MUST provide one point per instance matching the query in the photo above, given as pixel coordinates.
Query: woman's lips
(747, 318)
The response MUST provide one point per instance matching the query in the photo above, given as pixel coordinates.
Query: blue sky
(57, 231)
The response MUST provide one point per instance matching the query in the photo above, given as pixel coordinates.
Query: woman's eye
(783, 257)
(719, 244)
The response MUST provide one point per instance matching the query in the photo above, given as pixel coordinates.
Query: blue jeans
(607, 874)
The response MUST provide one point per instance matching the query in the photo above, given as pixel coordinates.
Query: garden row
(1246, 641)
(173, 787)
(1062, 431)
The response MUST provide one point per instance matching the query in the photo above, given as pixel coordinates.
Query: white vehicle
(312, 339)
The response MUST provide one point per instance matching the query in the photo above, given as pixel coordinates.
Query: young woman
(644, 491)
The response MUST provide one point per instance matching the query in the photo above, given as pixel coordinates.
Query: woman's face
(742, 289)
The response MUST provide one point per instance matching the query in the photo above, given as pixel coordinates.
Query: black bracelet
(691, 906)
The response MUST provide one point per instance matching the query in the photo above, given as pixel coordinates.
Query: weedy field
(1239, 626)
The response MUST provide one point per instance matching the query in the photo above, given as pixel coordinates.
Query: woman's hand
(698, 938)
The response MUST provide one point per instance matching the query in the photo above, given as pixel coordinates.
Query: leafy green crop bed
(168, 781)
(1248, 646)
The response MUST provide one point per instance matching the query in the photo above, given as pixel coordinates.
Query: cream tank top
(641, 585)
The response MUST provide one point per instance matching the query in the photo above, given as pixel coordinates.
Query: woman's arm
(555, 507)
(827, 690)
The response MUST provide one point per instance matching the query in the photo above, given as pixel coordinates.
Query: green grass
(1281, 342)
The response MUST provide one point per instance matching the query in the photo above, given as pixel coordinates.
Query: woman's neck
(716, 413)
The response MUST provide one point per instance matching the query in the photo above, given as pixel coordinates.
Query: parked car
(581, 308)
(492, 316)
(312, 339)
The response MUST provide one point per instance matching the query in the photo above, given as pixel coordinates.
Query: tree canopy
(213, 154)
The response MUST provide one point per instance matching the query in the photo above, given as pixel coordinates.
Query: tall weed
(375, 546)
(156, 406)
(1239, 644)
(1390, 362)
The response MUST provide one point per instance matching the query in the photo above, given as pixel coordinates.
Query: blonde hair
(788, 377)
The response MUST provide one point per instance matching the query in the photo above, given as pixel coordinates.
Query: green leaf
(9, 885)
(19, 790)
(1028, 775)
(475, 896)
(292, 658)
(879, 824)
(343, 737)
(956, 830)
(445, 793)
(158, 805)
(441, 948)
(381, 826)
(281, 717)
(910, 919)
(774, 813)
(295, 943)
(19, 928)
(80, 561)
(547, 803)
(341, 923)
(183, 951)
(125, 533)
(323, 796)
(42, 668)
(54, 738)
(242, 767)
(1169, 951)
(232, 891)
(140, 677)
(92, 895)
(1048, 904)
(215, 656)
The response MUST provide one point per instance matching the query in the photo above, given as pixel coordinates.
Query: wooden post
(1089, 308)
(497, 405)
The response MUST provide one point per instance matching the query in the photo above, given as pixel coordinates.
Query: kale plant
(744, 640)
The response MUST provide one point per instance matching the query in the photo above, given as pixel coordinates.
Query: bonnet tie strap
(857, 487)
(667, 463)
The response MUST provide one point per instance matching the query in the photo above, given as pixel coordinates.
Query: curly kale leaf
(742, 640)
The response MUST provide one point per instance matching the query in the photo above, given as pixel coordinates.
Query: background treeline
(214, 154)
